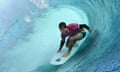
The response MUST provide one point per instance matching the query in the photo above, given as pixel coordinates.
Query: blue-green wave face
(30, 37)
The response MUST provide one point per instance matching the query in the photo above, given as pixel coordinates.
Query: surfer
(75, 32)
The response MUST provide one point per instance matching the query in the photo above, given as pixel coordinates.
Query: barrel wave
(30, 37)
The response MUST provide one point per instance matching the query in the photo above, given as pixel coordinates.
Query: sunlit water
(30, 37)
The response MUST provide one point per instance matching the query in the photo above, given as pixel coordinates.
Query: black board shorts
(83, 33)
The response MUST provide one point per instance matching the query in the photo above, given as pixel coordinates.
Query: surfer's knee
(80, 35)
(72, 38)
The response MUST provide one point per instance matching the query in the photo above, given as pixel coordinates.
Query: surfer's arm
(63, 36)
(61, 44)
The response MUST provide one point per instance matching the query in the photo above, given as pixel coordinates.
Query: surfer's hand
(58, 50)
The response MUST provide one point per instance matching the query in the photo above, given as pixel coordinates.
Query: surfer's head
(63, 27)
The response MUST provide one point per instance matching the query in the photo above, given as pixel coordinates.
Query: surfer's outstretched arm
(61, 45)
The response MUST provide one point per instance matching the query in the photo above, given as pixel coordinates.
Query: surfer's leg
(78, 36)
(69, 44)
(71, 41)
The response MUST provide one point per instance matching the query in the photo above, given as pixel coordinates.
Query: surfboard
(58, 58)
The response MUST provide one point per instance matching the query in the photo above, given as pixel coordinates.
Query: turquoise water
(29, 35)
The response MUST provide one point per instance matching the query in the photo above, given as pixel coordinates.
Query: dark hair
(62, 24)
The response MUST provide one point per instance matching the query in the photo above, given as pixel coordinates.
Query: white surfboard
(58, 58)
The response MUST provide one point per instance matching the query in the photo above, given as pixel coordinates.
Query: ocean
(30, 37)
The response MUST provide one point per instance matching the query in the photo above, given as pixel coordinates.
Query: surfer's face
(63, 30)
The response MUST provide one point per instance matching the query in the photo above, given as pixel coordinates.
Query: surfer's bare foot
(66, 54)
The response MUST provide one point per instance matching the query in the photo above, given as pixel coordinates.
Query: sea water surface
(29, 35)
